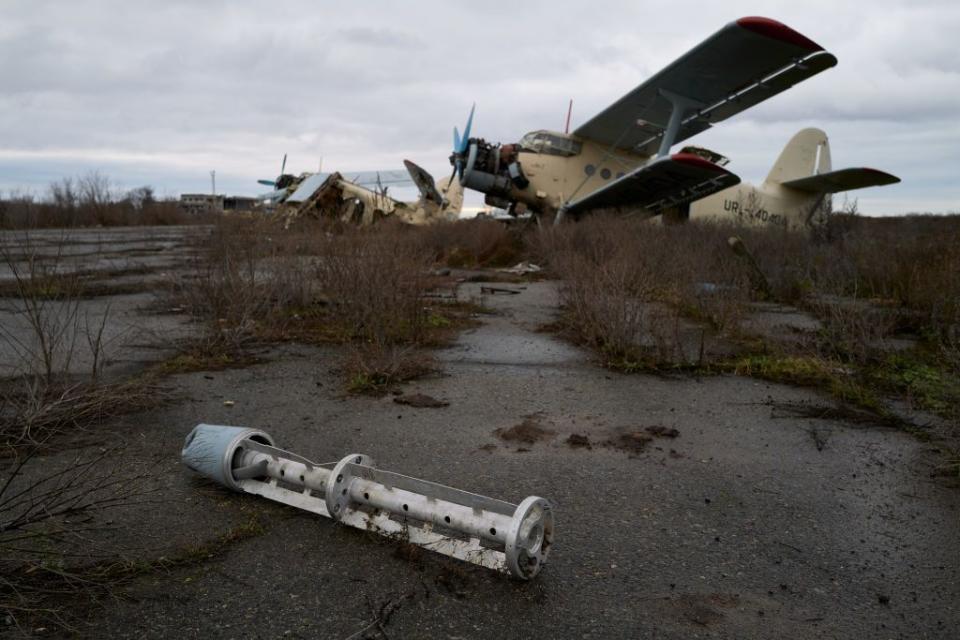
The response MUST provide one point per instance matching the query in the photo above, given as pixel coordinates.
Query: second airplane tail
(807, 154)
(804, 165)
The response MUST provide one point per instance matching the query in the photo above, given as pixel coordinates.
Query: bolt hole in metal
(358, 459)
(493, 531)
(281, 472)
(406, 508)
(339, 478)
(366, 496)
(446, 519)
(344, 492)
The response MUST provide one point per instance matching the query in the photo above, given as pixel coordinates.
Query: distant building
(199, 204)
(240, 203)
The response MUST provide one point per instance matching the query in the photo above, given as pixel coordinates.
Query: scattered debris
(635, 441)
(578, 440)
(489, 448)
(529, 431)
(420, 400)
(523, 267)
(228, 403)
(495, 290)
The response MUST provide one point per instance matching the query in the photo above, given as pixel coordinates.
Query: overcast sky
(160, 93)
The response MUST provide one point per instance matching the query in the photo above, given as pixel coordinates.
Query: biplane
(621, 158)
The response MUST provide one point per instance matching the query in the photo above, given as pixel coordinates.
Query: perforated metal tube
(471, 527)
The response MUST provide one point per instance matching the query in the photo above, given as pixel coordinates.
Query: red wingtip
(696, 161)
(778, 31)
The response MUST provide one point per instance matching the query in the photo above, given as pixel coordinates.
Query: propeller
(460, 145)
(273, 183)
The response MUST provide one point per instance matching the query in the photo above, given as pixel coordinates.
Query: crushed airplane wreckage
(361, 198)
(491, 533)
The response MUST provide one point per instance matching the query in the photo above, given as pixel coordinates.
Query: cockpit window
(550, 143)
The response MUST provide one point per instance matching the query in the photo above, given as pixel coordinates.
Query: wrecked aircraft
(361, 198)
(620, 159)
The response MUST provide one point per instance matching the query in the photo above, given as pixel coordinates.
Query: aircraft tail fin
(442, 200)
(807, 154)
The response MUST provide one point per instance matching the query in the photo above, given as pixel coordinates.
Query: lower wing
(660, 185)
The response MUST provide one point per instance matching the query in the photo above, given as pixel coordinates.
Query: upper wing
(741, 65)
(842, 180)
(377, 178)
(664, 183)
(368, 179)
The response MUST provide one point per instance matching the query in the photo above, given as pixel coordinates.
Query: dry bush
(375, 368)
(34, 411)
(49, 520)
(626, 283)
(241, 277)
(47, 330)
(257, 281)
(472, 243)
(374, 281)
(89, 200)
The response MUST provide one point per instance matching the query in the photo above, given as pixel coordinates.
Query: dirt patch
(705, 610)
(528, 432)
(635, 440)
(420, 400)
(632, 442)
(662, 432)
(577, 440)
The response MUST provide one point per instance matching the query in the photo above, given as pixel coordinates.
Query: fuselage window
(590, 169)
(605, 174)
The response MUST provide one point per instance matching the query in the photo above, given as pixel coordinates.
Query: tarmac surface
(750, 523)
(125, 266)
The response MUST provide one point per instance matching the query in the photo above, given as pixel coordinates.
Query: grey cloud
(235, 85)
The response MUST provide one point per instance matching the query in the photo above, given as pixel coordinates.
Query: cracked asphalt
(739, 527)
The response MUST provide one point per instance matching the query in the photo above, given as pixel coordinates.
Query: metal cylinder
(471, 527)
(478, 524)
(210, 449)
(290, 472)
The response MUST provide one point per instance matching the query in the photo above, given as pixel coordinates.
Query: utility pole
(213, 190)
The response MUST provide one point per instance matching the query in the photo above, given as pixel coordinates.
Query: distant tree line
(89, 200)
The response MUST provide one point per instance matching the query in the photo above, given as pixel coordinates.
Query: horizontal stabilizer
(842, 180)
(665, 183)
